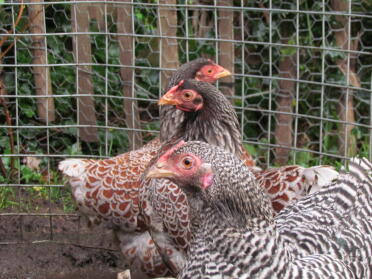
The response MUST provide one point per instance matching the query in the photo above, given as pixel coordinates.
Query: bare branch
(8, 120)
(21, 9)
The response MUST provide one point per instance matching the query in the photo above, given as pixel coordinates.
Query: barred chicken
(108, 190)
(234, 235)
(210, 117)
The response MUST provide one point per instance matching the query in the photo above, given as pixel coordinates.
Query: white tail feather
(362, 162)
(361, 167)
(72, 167)
(318, 176)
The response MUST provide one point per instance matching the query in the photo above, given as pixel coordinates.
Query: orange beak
(169, 98)
(221, 72)
(159, 170)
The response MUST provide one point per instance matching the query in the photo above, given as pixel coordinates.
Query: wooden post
(167, 26)
(226, 49)
(348, 144)
(43, 84)
(83, 54)
(283, 127)
(126, 43)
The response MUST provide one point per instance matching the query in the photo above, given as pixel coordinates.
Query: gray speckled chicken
(234, 234)
(210, 117)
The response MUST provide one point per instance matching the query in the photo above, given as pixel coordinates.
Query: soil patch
(43, 247)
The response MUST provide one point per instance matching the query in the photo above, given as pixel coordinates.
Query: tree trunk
(43, 84)
(226, 49)
(126, 43)
(200, 22)
(82, 51)
(283, 128)
(348, 144)
(167, 26)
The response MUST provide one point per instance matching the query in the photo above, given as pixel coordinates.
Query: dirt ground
(37, 259)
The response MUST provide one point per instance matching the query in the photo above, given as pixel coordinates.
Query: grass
(31, 199)
(34, 198)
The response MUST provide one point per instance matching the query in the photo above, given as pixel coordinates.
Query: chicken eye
(187, 95)
(187, 162)
(210, 71)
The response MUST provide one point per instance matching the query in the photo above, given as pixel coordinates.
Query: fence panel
(81, 79)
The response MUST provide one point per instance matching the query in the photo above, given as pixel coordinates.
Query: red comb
(174, 88)
(169, 152)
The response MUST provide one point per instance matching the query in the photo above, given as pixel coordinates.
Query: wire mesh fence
(81, 79)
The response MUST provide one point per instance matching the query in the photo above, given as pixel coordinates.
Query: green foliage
(22, 174)
(251, 150)
(7, 196)
(288, 51)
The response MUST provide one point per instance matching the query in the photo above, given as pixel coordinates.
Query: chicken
(210, 117)
(108, 190)
(200, 69)
(288, 184)
(234, 235)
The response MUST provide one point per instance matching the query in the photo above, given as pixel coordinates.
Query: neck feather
(239, 201)
(170, 117)
(216, 124)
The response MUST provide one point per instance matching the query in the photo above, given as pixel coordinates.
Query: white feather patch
(318, 176)
(72, 167)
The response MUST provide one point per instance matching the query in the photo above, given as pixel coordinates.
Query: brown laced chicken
(234, 234)
(210, 117)
(108, 190)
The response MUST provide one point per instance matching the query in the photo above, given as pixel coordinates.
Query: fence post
(348, 145)
(283, 126)
(167, 26)
(83, 54)
(43, 83)
(226, 49)
(126, 44)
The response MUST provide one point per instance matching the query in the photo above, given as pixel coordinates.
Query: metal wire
(263, 37)
(210, 7)
(155, 36)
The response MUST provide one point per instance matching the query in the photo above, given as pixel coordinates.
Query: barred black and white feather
(337, 220)
(326, 235)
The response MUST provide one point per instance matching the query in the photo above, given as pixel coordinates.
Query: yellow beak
(168, 99)
(222, 74)
(159, 171)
